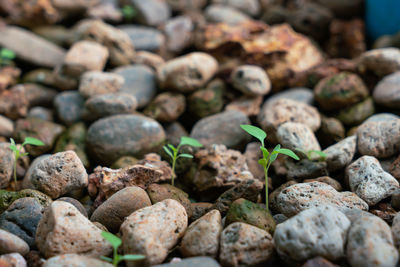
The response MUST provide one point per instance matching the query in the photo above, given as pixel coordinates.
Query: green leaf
(24, 154)
(288, 152)
(166, 149)
(106, 259)
(7, 54)
(130, 257)
(274, 153)
(173, 149)
(128, 12)
(32, 141)
(190, 142)
(114, 240)
(185, 156)
(262, 162)
(319, 153)
(264, 152)
(13, 146)
(255, 131)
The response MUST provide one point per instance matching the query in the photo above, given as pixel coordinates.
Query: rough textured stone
(245, 245)
(381, 62)
(119, 206)
(96, 83)
(339, 155)
(356, 114)
(328, 180)
(222, 128)
(8, 197)
(202, 236)
(63, 229)
(121, 135)
(199, 209)
(166, 107)
(14, 102)
(7, 161)
(75, 260)
(387, 91)
(298, 197)
(10, 243)
(105, 105)
(154, 230)
(251, 80)
(331, 131)
(305, 169)
(187, 73)
(59, 174)
(369, 181)
(296, 136)
(324, 234)
(69, 107)
(370, 243)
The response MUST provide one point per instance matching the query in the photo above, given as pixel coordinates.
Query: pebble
(396, 230)
(149, 59)
(10, 243)
(273, 196)
(63, 229)
(153, 231)
(22, 218)
(331, 131)
(192, 262)
(253, 154)
(140, 81)
(300, 94)
(75, 260)
(42, 113)
(382, 117)
(357, 113)
(339, 155)
(105, 105)
(215, 13)
(222, 128)
(8, 197)
(250, 7)
(179, 33)
(151, 12)
(328, 180)
(249, 105)
(69, 107)
(84, 56)
(13, 260)
(305, 169)
(251, 80)
(59, 174)
(299, 197)
(7, 161)
(121, 135)
(26, 183)
(296, 136)
(370, 243)
(119, 206)
(202, 236)
(245, 245)
(318, 231)
(381, 62)
(379, 139)
(369, 181)
(144, 38)
(14, 102)
(38, 95)
(78, 205)
(93, 83)
(207, 101)
(6, 126)
(187, 73)
(275, 113)
(387, 91)
(166, 107)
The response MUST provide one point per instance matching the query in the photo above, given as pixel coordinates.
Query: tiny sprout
(173, 152)
(115, 242)
(6, 56)
(17, 151)
(128, 12)
(268, 157)
(309, 154)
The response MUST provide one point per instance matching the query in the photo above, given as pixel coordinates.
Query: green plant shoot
(173, 152)
(267, 157)
(115, 242)
(17, 151)
(309, 154)
(128, 12)
(6, 56)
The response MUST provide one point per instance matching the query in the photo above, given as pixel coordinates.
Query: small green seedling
(115, 242)
(128, 12)
(173, 152)
(268, 157)
(18, 150)
(309, 154)
(6, 56)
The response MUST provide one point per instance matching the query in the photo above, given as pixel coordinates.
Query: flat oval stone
(387, 91)
(144, 38)
(10, 243)
(104, 105)
(69, 106)
(381, 61)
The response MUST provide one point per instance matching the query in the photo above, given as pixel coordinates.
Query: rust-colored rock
(13, 103)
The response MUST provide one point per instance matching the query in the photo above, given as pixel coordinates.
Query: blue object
(382, 17)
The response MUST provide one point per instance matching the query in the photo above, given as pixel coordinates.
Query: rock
(186, 5)
(202, 236)
(324, 234)
(6, 127)
(192, 262)
(273, 197)
(224, 14)
(245, 245)
(41, 113)
(298, 197)
(339, 91)
(275, 113)
(140, 81)
(357, 113)
(300, 94)
(124, 162)
(249, 105)
(319, 262)
(13, 259)
(154, 230)
(179, 32)
(166, 107)
(22, 218)
(59, 174)
(95, 83)
(382, 117)
(14, 102)
(250, 7)
(369, 181)
(152, 12)
(208, 130)
(69, 107)
(45, 131)
(105, 105)
(253, 154)
(248, 189)
(370, 242)
(7, 161)
(75, 260)
(149, 59)
(327, 180)
(379, 139)
(187, 73)
(396, 230)
(133, 135)
(39, 51)
(384, 211)
(158, 193)
(386, 92)
(381, 62)
(78, 205)
(251, 80)
(73, 7)
(279, 218)
(117, 42)
(38, 95)
(8, 197)
(207, 101)
(199, 209)
(331, 131)
(340, 154)
(144, 38)
(26, 183)
(119, 206)
(84, 56)
(10, 243)
(63, 229)
(251, 213)
(305, 169)
(296, 136)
